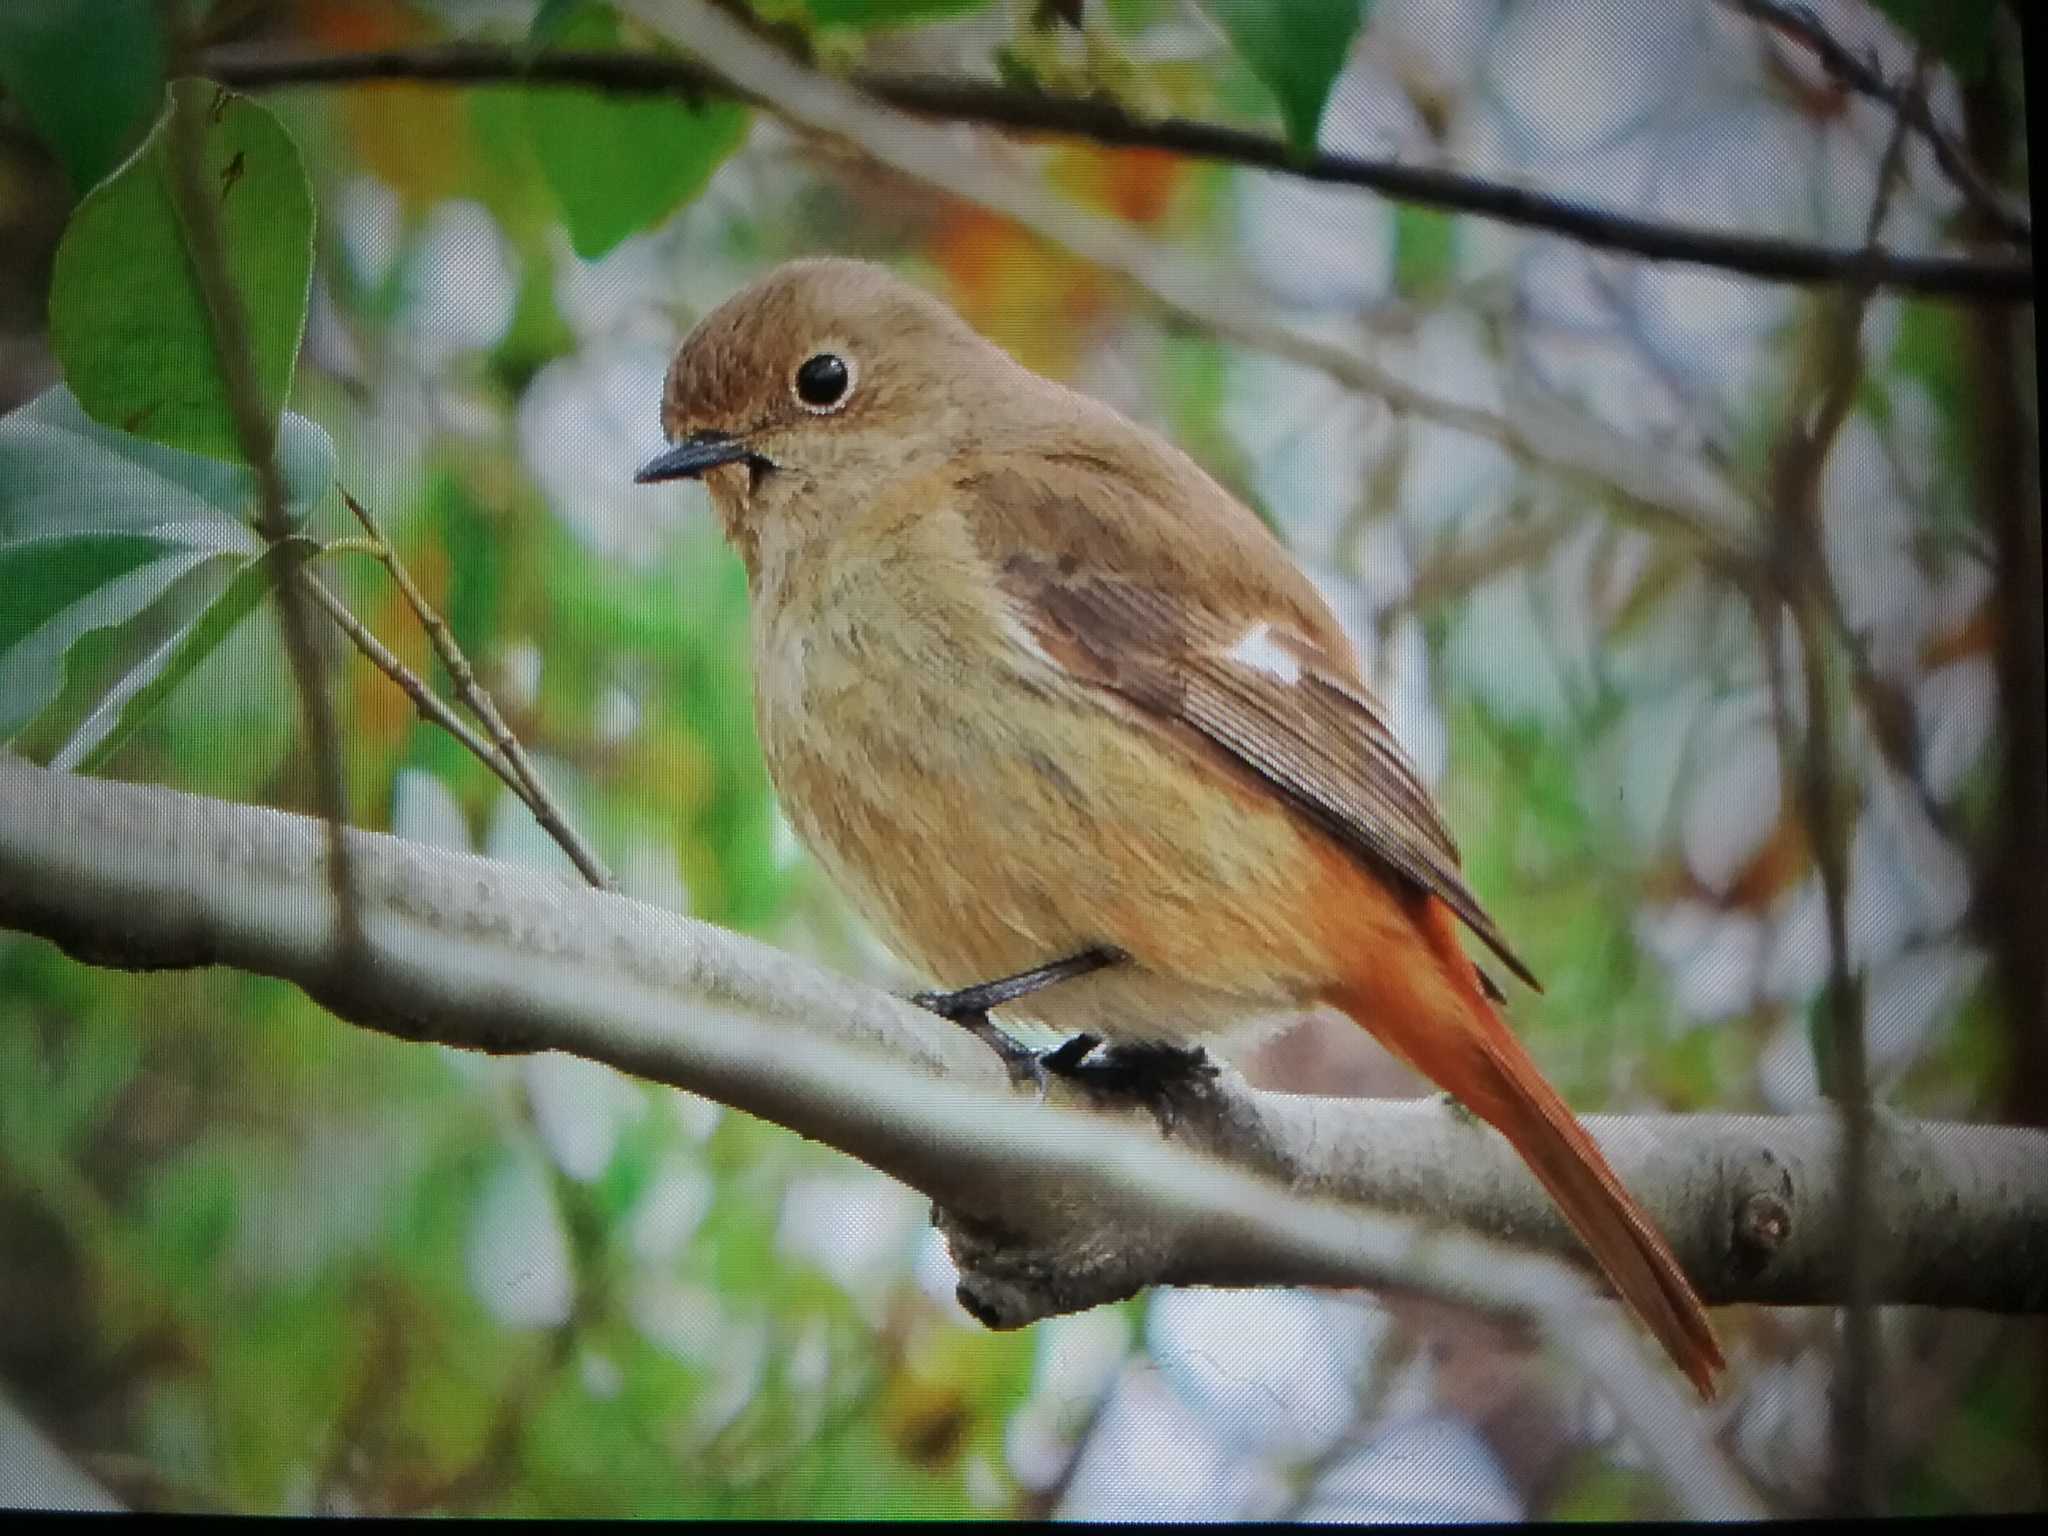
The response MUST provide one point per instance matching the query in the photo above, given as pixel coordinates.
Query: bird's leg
(984, 995)
(969, 1007)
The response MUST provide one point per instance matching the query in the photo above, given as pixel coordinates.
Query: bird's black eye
(823, 381)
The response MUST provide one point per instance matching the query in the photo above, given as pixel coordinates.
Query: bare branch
(1105, 122)
(1832, 370)
(526, 780)
(1750, 1202)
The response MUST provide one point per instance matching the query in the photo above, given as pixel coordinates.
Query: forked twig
(503, 753)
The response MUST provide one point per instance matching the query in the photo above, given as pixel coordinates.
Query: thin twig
(425, 700)
(1863, 76)
(1370, 1392)
(1106, 122)
(256, 437)
(1044, 1503)
(530, 787)
(1520, 543)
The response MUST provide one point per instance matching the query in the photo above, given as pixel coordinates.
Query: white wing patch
(1018, 633)
(1258, 649)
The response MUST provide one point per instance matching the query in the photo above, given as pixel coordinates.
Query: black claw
(976, 1308)
(1066, 1057)
(947, 1005)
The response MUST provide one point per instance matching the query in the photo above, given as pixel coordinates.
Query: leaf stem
(256, 437)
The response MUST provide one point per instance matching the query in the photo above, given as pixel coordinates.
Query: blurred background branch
(1106, 122)
(1861, 74)
(256, 437)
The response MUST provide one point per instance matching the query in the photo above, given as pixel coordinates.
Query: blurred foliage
(87, 74)
(254, 1260)
(578, 138)
(1956, 31)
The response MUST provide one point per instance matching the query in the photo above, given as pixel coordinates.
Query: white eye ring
(824, 381)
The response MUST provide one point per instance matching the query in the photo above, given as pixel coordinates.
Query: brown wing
(1280, 707)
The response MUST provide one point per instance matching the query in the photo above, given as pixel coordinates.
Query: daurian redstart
(1032, 686)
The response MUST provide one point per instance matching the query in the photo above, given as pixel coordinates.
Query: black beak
(692, 456)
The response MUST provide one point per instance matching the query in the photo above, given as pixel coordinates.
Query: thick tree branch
(1053, 1209)
(494, 957)
(1104, 122)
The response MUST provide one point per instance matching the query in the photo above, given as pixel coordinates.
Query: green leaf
(112, 551)
(1959, 31)
(126, 316)
(620, 165)
(877, 15)
(40, 578)
(63, 472)
(157, 676)
(86, 73)
(1296, 48)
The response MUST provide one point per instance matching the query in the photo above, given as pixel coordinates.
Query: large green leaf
(86, 73)
(40, 578)
(122, 565)
(126, 315)
(1296, 48)
(618, 165)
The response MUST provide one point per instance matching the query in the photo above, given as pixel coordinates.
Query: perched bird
(1036, 691)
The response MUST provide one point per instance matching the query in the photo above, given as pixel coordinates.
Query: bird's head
(816, 386)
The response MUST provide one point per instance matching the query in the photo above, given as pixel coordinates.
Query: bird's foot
(1156, 1074)
(969, 1008)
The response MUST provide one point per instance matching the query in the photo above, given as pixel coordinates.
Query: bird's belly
(983, 834)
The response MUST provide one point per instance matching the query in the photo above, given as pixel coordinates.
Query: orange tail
(1427, 1008)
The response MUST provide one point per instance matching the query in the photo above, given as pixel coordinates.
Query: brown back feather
(1161, 641)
